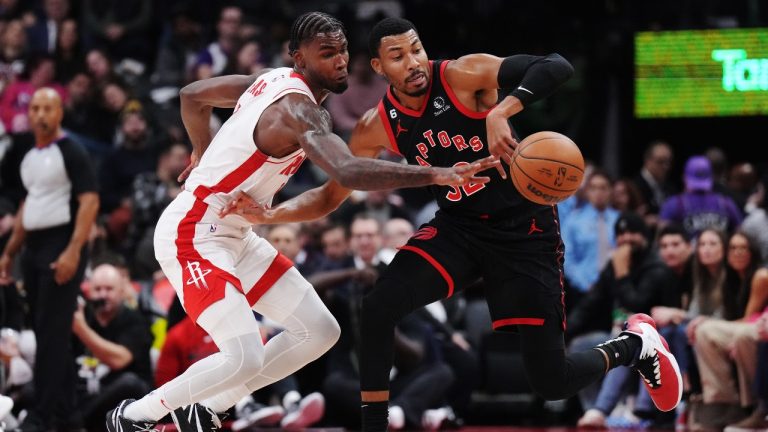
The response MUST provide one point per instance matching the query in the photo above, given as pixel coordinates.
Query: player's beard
(420, 92)
(337, 87)
(331, 85)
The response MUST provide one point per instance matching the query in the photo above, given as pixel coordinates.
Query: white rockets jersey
(232, 163)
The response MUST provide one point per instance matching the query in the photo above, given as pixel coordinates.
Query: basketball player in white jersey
(221, 270)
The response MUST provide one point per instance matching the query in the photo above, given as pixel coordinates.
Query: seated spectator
(215, 57)
(757, 219)
(653, 179)
(13, 51)
(16, 374)
(151, 192)
(122, 26)
(134, 155)
(703, 299)
(588, 233)
(14, 103)
(395, 234)
(248, 61)
(82, 116)
(721, 344)
(177, 51)
(68, 55)
(44, 31)
(758, 420)
(699, 207)
(626, 196)
(633, 281)
(113, 357)
(383, 205)
(99, 67)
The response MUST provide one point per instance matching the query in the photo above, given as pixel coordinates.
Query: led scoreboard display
(703, 73)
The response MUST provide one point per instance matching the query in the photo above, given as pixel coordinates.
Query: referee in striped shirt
(54, 222)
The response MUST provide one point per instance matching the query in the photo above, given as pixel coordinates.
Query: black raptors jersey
(445, 133)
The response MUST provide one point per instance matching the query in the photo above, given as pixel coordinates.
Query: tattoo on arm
(331, 153)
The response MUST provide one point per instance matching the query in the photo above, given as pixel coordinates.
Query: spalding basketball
(547, 167)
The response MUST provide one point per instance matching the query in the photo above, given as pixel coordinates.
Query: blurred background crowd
(670, 219)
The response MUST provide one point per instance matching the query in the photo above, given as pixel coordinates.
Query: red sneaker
(655, 363)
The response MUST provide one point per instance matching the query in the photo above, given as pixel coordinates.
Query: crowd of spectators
(691, 253)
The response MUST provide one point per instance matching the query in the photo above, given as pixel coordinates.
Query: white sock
(151, 407)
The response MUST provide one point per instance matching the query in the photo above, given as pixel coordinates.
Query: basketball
(547, 167)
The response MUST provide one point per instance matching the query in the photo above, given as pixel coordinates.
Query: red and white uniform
(198, 251)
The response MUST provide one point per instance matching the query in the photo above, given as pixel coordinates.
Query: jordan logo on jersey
(197, 275)
(400, 129)
(534, 228)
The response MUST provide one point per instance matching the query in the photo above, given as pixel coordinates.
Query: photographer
(113, 354)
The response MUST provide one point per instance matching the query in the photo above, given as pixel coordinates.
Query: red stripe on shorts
(277, 269)
(203, 281)
(435, 264)
(518, 321)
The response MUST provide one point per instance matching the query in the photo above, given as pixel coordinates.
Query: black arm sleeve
(533, 77)
(79, 168)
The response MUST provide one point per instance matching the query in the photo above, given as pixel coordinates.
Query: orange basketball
(547, 167)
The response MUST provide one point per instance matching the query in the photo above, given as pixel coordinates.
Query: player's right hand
(194, 160)
(459, 175)
(246, 207)
(500, 141)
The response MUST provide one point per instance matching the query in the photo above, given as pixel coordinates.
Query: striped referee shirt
(53, 177)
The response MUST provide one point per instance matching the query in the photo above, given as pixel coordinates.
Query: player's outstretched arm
(526, 78)
(313, 127)
(368, 140)
(198, 100)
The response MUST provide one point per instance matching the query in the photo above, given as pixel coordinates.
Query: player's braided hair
(309, 25)
(387, 27)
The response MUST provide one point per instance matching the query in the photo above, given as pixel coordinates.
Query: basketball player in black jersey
(445, 113)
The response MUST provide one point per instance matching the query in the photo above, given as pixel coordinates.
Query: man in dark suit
(42, 36)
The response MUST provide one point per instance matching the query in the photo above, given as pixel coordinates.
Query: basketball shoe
(303, 412)
(117, 423)
(655, 363)
(195, 418)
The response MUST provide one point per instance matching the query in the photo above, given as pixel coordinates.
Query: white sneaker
(592, 419)
(6, 405)
(307, 412)
(433, 419)
(250, 413)
(655, 363)
(396, 418)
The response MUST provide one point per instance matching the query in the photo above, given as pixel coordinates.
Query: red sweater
(185, 344)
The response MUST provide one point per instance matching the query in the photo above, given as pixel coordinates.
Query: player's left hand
(194, 160)
(246, 207)
(463, 174)
(65, 265)
(500, 141)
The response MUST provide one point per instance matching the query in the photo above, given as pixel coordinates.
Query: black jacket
(649, 283)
